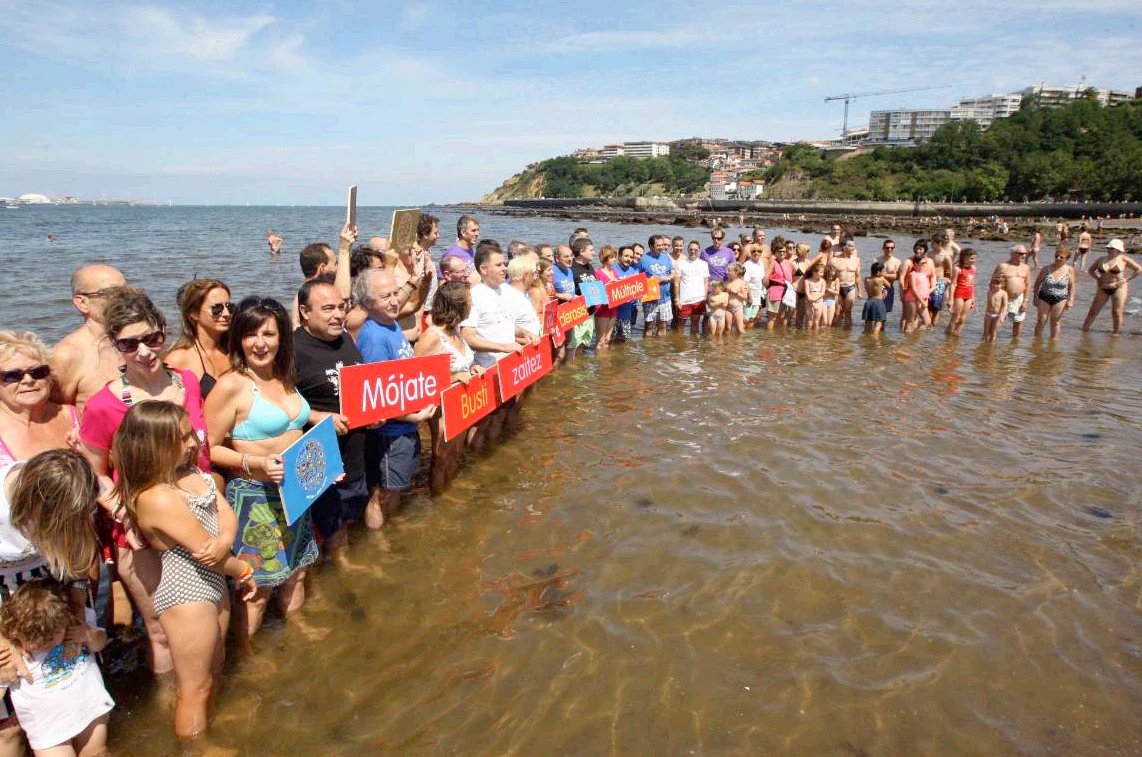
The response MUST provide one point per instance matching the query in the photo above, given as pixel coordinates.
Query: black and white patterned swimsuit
(183, 580)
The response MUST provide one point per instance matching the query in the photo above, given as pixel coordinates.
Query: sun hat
(1116, 244)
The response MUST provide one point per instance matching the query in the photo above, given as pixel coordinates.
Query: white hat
(1116, 244)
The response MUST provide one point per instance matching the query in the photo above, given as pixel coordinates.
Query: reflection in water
(791, 544)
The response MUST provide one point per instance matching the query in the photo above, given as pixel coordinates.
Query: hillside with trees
(1082, 151)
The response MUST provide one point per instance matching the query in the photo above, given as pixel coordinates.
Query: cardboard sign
(519, 370)
(351, 207)
(571, 313)
(622, 291)
(464, 405)
(402, 235)
(653, 291)
(312, 464)
(376, 392)
(595, 292)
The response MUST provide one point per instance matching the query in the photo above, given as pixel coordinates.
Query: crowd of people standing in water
(129, 456)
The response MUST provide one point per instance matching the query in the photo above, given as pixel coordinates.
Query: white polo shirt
(492, 318)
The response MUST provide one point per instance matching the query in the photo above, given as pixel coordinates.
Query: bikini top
(207, 382)
(6, 456)
(266, 420)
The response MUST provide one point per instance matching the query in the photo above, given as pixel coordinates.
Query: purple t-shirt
(719, 259)
(457, 251)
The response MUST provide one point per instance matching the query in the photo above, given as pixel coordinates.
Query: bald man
(85, 359)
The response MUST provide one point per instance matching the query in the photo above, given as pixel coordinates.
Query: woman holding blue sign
(253, 414)
(179, 510)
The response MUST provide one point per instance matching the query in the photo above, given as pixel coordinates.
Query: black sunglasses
(98, 293)
(130, 344)
(38, 373)
(216, 310)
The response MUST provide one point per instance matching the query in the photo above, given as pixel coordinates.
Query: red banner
(463, 406)
(376, 392)
(572, 313)
(622, 291)
(549, 310)
(519, 370)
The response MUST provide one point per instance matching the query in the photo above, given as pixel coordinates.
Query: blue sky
(425, 101)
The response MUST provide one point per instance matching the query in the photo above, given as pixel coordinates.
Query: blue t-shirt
(627, 310)
(564, 280)
(378, 343)
(719, 259)
(660, 267)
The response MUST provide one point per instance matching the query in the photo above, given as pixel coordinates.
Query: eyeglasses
(98, 293)
(38, 373)
(130, 344)
(216, 310)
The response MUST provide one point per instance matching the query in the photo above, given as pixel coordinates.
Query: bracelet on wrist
(246, 464)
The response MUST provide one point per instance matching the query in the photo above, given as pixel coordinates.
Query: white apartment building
(987, 110)
(612, 151)
(904, 125)
(1049, 95)
(645, 150)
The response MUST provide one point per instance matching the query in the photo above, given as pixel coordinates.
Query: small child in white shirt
(61, 703)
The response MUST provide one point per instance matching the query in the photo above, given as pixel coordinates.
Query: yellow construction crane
(849, 97)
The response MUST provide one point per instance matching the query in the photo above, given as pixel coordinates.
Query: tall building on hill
(612, 151)
(645, 150)
(987, 110)
(905, 126)
(1058, 96)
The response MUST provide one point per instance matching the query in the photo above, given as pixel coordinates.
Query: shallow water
(823, 544)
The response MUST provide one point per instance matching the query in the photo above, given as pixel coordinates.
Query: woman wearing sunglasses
(30, 422)
(137, 330)
(201, 347)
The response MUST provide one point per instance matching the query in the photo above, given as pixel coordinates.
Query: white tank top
(458, 361)
(17, 555)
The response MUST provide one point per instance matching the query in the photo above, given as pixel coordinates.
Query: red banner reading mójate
(376, 392)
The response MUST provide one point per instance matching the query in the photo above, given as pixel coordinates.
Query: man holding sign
(656, 263)
(321, 349)
(380, 339)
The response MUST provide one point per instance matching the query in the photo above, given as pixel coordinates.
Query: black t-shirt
(319, 381)
(583, 273)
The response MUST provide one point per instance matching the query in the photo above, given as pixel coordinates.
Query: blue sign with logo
(594, 291)
(312, 464)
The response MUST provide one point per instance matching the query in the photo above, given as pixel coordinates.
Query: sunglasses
(38, 373)
(216, 310)
(98, 293)
(130, 344)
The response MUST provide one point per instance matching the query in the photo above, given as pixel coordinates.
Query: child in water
(738, 290)
(996, 309)
(815, 296)
(718, 303)
(963, 291)
(832, 292)
(875, 313)
(62, 703)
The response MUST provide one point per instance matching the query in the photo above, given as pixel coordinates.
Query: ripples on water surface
(793, 544)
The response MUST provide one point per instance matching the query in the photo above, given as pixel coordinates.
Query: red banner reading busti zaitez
(464, 405)
(622, 291)
(519, 370)
(376, 392)
(572, 313)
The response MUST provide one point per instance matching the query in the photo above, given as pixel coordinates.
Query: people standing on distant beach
(1084, 245)
(1055, 290)
(85, 360)
(1017, 281)
(318, 258)
(962, 291)
(275, 242)
(201, 346)
(1113, 272)
(891, 265)
(1036, 246)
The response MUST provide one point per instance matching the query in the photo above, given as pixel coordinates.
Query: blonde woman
(30, 422)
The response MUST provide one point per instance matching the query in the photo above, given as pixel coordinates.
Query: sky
(425, 101)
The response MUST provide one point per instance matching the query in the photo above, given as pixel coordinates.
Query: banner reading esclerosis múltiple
(622, 291)
(375, 392)
(571, 313)
(519, 370)
(464, 405)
